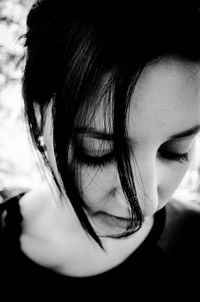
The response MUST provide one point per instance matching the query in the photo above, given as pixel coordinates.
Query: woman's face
(164, 119)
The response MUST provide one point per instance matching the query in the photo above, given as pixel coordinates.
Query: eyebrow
(189, 132)
(101, 135)
(92, 132)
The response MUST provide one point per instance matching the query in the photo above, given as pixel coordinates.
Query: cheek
(95, 185)
(172, 179)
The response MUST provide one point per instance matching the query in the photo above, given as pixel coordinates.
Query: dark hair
(71, 46)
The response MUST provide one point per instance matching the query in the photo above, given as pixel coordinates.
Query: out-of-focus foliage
(12, 26)
(18, 166)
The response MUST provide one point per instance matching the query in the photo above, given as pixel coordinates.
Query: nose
(146, 178)
(146, 173)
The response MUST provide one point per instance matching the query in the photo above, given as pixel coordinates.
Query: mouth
(112, 221)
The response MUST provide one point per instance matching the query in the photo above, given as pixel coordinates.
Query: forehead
(166, 100)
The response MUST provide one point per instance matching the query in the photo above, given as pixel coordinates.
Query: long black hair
(71, 46)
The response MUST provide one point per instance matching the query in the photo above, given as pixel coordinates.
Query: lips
(112, 220)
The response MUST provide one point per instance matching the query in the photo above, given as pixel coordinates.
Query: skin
(165, 103)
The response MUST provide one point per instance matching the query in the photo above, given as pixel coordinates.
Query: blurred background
(18, 162)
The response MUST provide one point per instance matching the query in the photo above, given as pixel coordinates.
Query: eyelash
(168, 155)
(101, 161)
(93, 161)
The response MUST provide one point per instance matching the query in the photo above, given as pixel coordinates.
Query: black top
(144, 273)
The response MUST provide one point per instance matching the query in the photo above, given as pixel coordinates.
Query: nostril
(118, 196)
(115, 193)
(112, 192)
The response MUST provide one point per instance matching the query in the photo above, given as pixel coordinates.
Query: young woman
(111, 96)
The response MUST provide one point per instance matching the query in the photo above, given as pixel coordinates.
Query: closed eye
(173, 156)
(99, 159)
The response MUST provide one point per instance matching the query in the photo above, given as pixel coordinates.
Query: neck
(54, 237)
